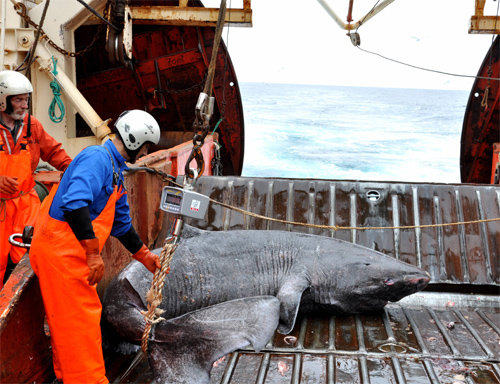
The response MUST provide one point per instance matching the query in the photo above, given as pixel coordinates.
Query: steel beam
(479, 23)
(485, 25)
(190, 16)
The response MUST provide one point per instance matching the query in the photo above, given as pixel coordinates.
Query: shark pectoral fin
(188, 345)
(289, 296)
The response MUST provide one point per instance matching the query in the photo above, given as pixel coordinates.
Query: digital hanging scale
(184, 202)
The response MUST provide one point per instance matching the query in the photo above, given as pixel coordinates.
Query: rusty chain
(184, 90)
(21, 11)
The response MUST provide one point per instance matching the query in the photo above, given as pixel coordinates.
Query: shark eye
(388, 282)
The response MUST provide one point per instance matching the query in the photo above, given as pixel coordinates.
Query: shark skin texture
(230, 289)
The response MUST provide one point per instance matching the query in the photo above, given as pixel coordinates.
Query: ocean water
(352, 133)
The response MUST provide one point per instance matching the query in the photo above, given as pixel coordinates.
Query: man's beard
(18, 115)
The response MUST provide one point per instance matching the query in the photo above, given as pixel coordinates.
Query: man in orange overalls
(74, 223)
(22, 142)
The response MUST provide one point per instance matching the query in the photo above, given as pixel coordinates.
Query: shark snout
(410, 280)
(417, 281)
(410, 283)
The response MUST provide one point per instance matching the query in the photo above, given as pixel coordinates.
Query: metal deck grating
(402, 345)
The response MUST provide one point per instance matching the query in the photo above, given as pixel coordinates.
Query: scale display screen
(184, 202)
(173, 199)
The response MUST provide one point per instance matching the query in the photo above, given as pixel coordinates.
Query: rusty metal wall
(465, 253)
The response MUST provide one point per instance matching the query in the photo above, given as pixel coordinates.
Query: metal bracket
(119, 44)
(127, 33)
(204, 108)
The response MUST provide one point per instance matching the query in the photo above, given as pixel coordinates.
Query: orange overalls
(19, 159)
(19, 209)
(72, 306)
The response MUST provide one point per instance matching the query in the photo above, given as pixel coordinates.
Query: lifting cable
(203, 113)
(216, 161)
(39, 30)
(355, 39)
(427, 69)
(96, 14)
(31, 53)
(205, 104)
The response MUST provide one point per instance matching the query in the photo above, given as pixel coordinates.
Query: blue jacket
(88, 181)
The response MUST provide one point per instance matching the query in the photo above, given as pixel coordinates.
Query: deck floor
(451, 341)
(430, 337)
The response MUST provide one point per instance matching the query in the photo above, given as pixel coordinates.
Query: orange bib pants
(19, 209)
(72, 306)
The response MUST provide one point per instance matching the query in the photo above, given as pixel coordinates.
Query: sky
(296, 41)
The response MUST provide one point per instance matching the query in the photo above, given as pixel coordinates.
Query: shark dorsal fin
(189, 231)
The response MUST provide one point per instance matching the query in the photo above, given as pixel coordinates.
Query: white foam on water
(352, 133)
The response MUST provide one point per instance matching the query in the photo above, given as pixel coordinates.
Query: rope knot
(154, 296)
(56, 101)
(56, 89)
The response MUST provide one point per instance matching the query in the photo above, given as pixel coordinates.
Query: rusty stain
(187, 16)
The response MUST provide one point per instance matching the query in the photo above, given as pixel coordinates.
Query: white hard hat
(12, 83)
(136, 128)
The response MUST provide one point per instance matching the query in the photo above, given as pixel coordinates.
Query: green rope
(217, 125)
(56, 90)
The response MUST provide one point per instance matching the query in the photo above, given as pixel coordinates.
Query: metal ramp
(454, 255)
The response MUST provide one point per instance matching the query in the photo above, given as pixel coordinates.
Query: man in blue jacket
(74, 223)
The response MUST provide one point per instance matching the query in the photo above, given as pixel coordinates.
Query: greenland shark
(229, 289)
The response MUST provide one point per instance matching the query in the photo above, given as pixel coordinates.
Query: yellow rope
(339, 228)
(154, 295)
(332, 227)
